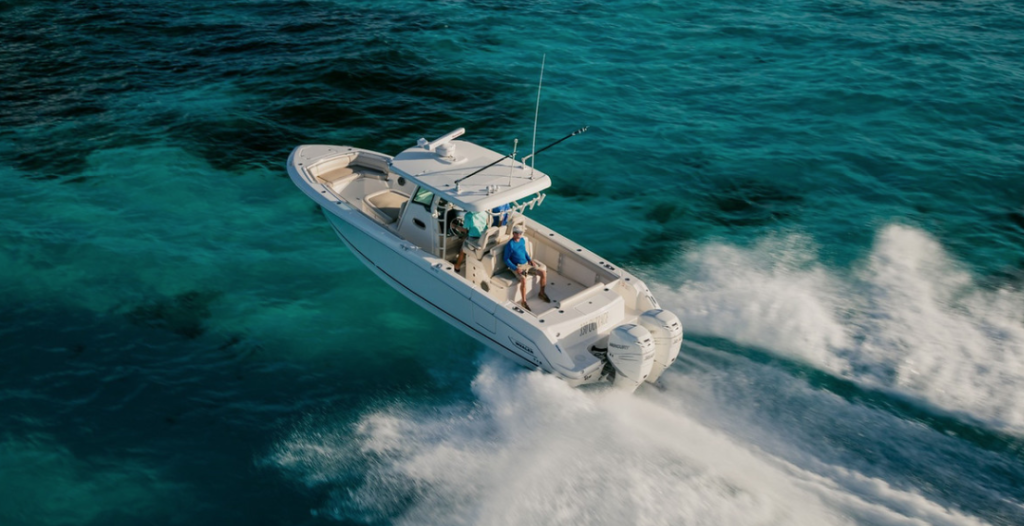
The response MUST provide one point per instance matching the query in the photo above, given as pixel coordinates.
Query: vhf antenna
(512, 167)
(536, 112)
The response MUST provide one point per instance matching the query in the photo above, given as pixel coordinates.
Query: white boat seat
(388, 202)
(494, 236)
(332, 176)
(340, 169)
(373, 162)
(490, 238)
(506, 281)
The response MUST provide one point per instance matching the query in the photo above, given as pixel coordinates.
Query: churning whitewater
(514, 458)
(908, 319)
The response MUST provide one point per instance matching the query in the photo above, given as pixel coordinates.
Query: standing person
(474, 225)
(520, 262)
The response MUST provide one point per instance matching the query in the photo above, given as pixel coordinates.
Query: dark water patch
(51, 100)
(652, 252)
(43, 63)
(575, 188)
(415, 88)
(303, 27)
(63, 150)
(664, 212)
(227, 141)
(42, 176)
(1017, 219)
(659, 248)
(61, 86)
(337, 22)
(698, 161)
(232, 342)
(312, 104)
(147, 51)
(47, 163)
(322, 112)
(238, 42)
(741, 202)
(186, 414)
(184, 314)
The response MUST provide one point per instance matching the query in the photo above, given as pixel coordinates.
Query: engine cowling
(631, 353)
(667, 332)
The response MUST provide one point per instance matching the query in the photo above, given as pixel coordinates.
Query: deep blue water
(829, 195)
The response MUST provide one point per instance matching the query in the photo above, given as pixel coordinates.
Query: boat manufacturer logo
(592, 325)
(521, 345)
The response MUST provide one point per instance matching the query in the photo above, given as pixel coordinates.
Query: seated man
(473, 226)
(519, 262)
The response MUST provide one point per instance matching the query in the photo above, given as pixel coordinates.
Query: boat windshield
(424, 197)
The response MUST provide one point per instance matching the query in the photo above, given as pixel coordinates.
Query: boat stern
(613, 332)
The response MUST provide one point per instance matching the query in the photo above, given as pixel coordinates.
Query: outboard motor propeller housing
(668, 337)
(631, 352)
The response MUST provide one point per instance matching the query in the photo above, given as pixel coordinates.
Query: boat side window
(423, 197)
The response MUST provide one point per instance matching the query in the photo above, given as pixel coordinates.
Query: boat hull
(421, 284)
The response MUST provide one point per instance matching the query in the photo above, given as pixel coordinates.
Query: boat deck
(559, 289)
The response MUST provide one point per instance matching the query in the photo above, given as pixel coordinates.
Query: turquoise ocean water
(828, 193)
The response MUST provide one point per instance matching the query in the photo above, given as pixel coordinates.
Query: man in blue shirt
(519, 261)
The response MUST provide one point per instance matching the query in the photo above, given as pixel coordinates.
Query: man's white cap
(518, 229)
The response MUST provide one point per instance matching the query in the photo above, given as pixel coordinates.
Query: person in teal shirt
(518, 260)
(474, 224)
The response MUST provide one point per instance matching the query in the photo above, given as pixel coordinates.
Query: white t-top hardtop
(485, 190)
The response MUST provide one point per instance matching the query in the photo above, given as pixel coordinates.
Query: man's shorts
(471, 243)
(529, 270)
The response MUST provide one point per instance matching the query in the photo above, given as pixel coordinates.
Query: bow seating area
(360, 177)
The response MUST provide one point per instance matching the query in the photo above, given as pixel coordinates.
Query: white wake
(529, 450)
(908, 318)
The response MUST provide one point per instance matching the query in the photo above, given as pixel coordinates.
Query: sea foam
(907, 318)
(530, 450)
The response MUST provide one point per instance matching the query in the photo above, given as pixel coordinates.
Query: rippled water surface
(828, 194)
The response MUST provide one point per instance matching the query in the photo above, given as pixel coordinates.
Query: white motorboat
(395, 214)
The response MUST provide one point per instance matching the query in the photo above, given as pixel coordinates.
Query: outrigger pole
(577, 132)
